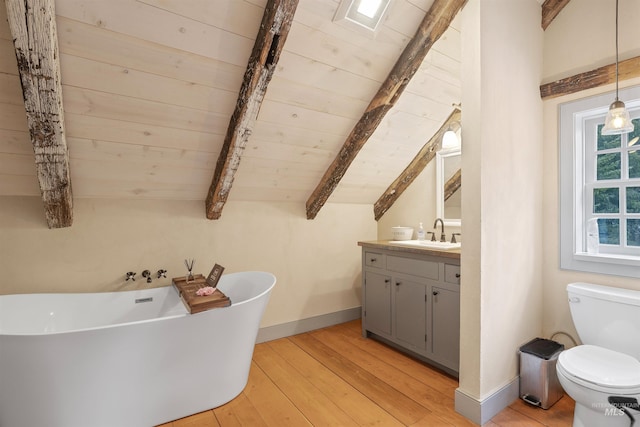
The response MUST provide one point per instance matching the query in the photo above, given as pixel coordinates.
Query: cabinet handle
(435, 293)
(457, 275)
(398, 283)
(386, 280)
(373, 260)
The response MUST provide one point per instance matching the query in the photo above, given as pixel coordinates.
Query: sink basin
(428, 244)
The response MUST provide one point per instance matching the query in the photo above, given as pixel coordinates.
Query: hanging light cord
(616, 50)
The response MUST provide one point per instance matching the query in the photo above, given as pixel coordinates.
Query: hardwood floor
(335, 377)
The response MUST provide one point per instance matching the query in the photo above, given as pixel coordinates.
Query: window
(599, 188)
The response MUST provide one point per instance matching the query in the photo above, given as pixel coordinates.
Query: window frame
(574, 188)
(622, 183)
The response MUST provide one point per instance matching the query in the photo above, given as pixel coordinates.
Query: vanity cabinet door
(377, 299)
(410, 314)
(445, 311)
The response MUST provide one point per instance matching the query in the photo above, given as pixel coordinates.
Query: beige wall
(417, 204)
(582, 37)
(501, 291)
(567, 53)
(317, 262)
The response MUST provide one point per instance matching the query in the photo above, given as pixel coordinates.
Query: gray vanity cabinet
(412, 301)
(406, 305)
(445, 307)
(378, 301)
(410, 314)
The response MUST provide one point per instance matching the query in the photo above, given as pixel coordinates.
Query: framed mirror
(449, 186)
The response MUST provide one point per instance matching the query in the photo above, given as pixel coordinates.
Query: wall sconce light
(450, 138)
(618, 120)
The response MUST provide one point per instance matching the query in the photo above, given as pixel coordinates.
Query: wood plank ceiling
(149, 87)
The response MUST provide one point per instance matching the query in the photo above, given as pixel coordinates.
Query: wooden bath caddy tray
(194, 303)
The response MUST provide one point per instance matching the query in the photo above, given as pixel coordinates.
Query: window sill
(613, 264)
(609, 258)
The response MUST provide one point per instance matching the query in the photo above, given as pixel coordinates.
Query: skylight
(365, 14)
(369, 8)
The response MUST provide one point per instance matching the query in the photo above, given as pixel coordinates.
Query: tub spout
(147, 274)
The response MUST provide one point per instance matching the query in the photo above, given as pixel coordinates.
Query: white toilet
(608, 363)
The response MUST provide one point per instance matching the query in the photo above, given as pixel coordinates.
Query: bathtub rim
(185, 313)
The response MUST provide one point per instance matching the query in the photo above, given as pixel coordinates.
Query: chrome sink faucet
(443, 238)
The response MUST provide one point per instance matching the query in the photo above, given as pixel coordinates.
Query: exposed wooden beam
(274, 28)
(551, 9)
(627, 69)
(417, 165)
(433, 25)
(453, 184)
(35, 38)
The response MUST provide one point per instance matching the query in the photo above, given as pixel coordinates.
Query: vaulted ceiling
(149, 88)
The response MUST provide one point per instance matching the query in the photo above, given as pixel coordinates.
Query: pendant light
(618, 120)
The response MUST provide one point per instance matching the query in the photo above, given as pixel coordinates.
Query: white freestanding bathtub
(113, 360)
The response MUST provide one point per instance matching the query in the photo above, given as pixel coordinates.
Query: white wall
(501, 290)
(317, 263)
(580, 39)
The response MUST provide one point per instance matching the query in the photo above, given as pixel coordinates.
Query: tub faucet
(131, 276)
(443, 238)
(147, 274)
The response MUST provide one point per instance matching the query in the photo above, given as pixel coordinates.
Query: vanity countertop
(398, 246)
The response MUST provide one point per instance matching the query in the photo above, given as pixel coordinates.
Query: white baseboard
(305, 325)
(482, 411)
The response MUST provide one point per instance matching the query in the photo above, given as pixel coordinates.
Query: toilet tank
(606, 316)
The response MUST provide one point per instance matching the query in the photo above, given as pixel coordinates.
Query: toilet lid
(601, 366)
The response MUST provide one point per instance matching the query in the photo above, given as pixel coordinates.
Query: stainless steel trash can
(539, 384)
